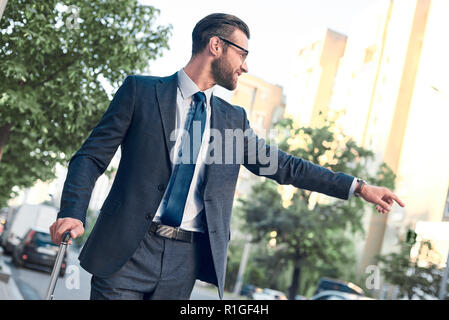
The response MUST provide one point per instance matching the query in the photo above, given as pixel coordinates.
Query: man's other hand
(381, 196)
(62, 225)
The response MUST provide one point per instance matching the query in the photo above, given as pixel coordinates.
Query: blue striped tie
(178, 187)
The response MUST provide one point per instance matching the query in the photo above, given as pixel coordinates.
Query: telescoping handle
(57, 266)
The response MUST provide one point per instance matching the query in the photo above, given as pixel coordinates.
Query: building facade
(391, 86)
(314, 75)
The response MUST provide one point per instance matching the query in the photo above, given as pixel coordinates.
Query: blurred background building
(314, 76)
(390, 85)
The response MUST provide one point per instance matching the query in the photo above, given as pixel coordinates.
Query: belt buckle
(174, 234)
(167, 231)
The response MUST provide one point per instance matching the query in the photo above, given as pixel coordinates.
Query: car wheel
(6, 250)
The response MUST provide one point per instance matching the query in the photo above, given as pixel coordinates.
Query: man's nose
(244, 67)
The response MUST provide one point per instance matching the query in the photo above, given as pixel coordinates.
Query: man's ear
(214, 46)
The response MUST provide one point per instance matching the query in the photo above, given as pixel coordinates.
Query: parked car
(36, 250)
(338, 295)
(326, 284)
(247, 290)
(25, 217)
(269, 294)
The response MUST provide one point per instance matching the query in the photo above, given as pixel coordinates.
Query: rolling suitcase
(57, 267)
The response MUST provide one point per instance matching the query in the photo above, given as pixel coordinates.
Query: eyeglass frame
(233, 44)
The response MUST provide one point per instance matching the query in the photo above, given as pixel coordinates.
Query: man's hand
(381, 196)
(62, 225)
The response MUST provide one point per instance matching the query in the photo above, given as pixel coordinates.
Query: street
(75, 285)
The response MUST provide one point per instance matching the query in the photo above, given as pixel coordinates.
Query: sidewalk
(8, 287)
(204, 291)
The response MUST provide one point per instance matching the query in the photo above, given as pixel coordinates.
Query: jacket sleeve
(94, 156)
(268, 161)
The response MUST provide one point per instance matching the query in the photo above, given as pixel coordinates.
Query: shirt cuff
(351, 190)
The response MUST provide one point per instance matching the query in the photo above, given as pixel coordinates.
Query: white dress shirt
(191, 220)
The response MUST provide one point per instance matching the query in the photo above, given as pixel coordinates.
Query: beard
(222, 73)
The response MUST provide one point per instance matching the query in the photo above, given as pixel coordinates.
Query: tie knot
(199, 97)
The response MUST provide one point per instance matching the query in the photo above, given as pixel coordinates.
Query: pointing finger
(399, 201)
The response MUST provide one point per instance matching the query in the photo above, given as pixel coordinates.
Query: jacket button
(161, 187)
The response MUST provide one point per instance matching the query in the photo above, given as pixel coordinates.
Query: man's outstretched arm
(306, 175)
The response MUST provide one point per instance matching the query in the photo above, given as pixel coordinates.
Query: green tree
(305, 235)
(233, 263)
(413, 280)
(53, 57)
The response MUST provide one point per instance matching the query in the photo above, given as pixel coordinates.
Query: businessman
(166, 220)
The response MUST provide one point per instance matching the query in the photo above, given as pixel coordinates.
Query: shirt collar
(188, 88)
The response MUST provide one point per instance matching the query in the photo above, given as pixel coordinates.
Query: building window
(260, 118)
(277, 114)
(369, 54)
(253, 97)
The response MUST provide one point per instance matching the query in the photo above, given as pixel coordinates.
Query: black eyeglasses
(233, 44)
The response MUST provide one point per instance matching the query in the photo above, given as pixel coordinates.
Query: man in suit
(166, 220)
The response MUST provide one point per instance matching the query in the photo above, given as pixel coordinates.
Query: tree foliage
(413, 280)
(54, 56)
(313, 236)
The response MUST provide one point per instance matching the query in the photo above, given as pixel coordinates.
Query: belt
(173, 232)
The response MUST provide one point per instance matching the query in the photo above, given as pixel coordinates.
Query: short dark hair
(215, 24)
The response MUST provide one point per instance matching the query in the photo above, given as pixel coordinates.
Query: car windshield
(43, 238)
(273, 292)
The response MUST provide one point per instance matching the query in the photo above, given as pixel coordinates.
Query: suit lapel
(166, 92)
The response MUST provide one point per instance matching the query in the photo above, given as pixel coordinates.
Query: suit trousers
(160, 269)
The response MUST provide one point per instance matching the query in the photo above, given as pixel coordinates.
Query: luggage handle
(57, 266)
(65, 237)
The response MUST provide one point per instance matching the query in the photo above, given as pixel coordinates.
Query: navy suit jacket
(140, 119)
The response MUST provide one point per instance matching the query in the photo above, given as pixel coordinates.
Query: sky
(278, 30)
